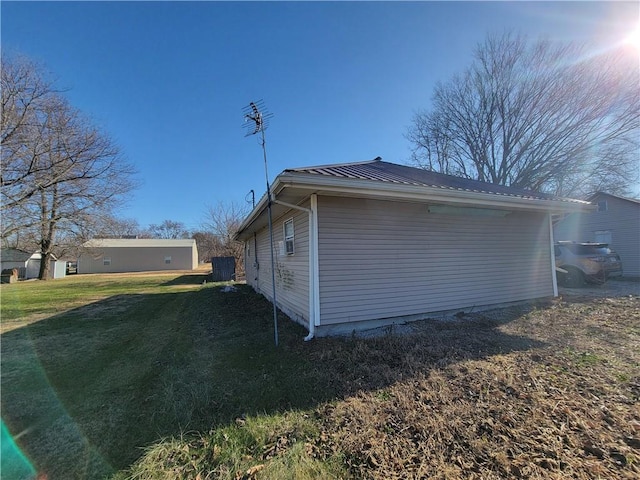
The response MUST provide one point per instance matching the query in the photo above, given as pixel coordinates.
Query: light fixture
(467, 211)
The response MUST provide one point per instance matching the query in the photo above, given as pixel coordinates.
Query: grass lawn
(160, 376)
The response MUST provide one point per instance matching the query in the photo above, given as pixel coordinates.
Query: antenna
(256, 119)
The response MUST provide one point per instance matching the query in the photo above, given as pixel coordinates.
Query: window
(602, 206)
(288, 237)
(167, 259)
(603, 236)
(106, 260)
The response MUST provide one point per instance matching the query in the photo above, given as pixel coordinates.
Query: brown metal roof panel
(379, 170)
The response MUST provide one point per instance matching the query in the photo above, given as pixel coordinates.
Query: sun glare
(634, 38)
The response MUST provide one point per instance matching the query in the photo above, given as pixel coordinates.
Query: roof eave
(429, 193)
(276, 188)
(626, 199)
(408, 192)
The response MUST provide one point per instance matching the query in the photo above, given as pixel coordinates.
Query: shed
(28, 263)
(119, 255)
(373, 243)
(616, 221)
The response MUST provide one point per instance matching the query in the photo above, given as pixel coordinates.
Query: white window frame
(106, 261)
(167, 259)
(289, 238)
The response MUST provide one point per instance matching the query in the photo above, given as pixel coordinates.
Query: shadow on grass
(194, 279)
(87, 389)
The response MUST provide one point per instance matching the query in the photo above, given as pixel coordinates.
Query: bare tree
(60, 172)
(109, 226)
(536, 116)
(222, 221)
(208, 245)
(25, 95)
(169, 229)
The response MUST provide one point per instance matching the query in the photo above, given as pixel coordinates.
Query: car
(72, 268)
(577, 263)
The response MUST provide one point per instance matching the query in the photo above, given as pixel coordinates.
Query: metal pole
(273, 270)
(260, 119)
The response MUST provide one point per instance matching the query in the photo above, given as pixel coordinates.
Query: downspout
(553, 257)
(313, 259)
(256, 265)
(315, 267)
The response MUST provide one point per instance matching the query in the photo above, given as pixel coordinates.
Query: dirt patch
(561, 400)
(612, 288)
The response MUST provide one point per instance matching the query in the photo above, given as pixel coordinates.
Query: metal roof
(378, 170)
(138, 242)
(379, 179)
(14, 255)
(628, 199)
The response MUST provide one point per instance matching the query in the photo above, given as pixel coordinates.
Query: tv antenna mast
(256, 120)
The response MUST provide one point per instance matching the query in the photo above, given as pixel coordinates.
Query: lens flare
(634, 38)
(14, 463)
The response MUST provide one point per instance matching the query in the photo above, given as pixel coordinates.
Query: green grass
(96, 369)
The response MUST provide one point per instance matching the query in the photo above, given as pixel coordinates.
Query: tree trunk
(45, 260)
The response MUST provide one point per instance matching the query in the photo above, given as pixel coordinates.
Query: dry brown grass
(539, 391)
(531, 392)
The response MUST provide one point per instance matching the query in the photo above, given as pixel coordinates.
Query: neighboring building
(373, 243)
(116, 255)
(616, 222)
(28, 263)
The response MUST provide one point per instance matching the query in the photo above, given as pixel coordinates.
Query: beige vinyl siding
(250, 266)
(383, 259)
(622, 219)
(292, 271)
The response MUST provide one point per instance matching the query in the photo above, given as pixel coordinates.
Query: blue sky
(168, 80)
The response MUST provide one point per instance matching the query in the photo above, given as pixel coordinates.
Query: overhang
(295, 187)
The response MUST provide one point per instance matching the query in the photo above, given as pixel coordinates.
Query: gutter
(434, 194)
(314, 282)
(260, 206)
(414, 192)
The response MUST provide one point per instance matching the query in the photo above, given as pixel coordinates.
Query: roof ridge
(628, 199)
(334, 165)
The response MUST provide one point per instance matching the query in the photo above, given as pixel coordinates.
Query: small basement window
(603, 236)
(289, 237)
(106, 260)
(167, 259)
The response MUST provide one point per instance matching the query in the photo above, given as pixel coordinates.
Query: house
(28, 263)
(115, 255)
(616, 222)
(373, 243)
